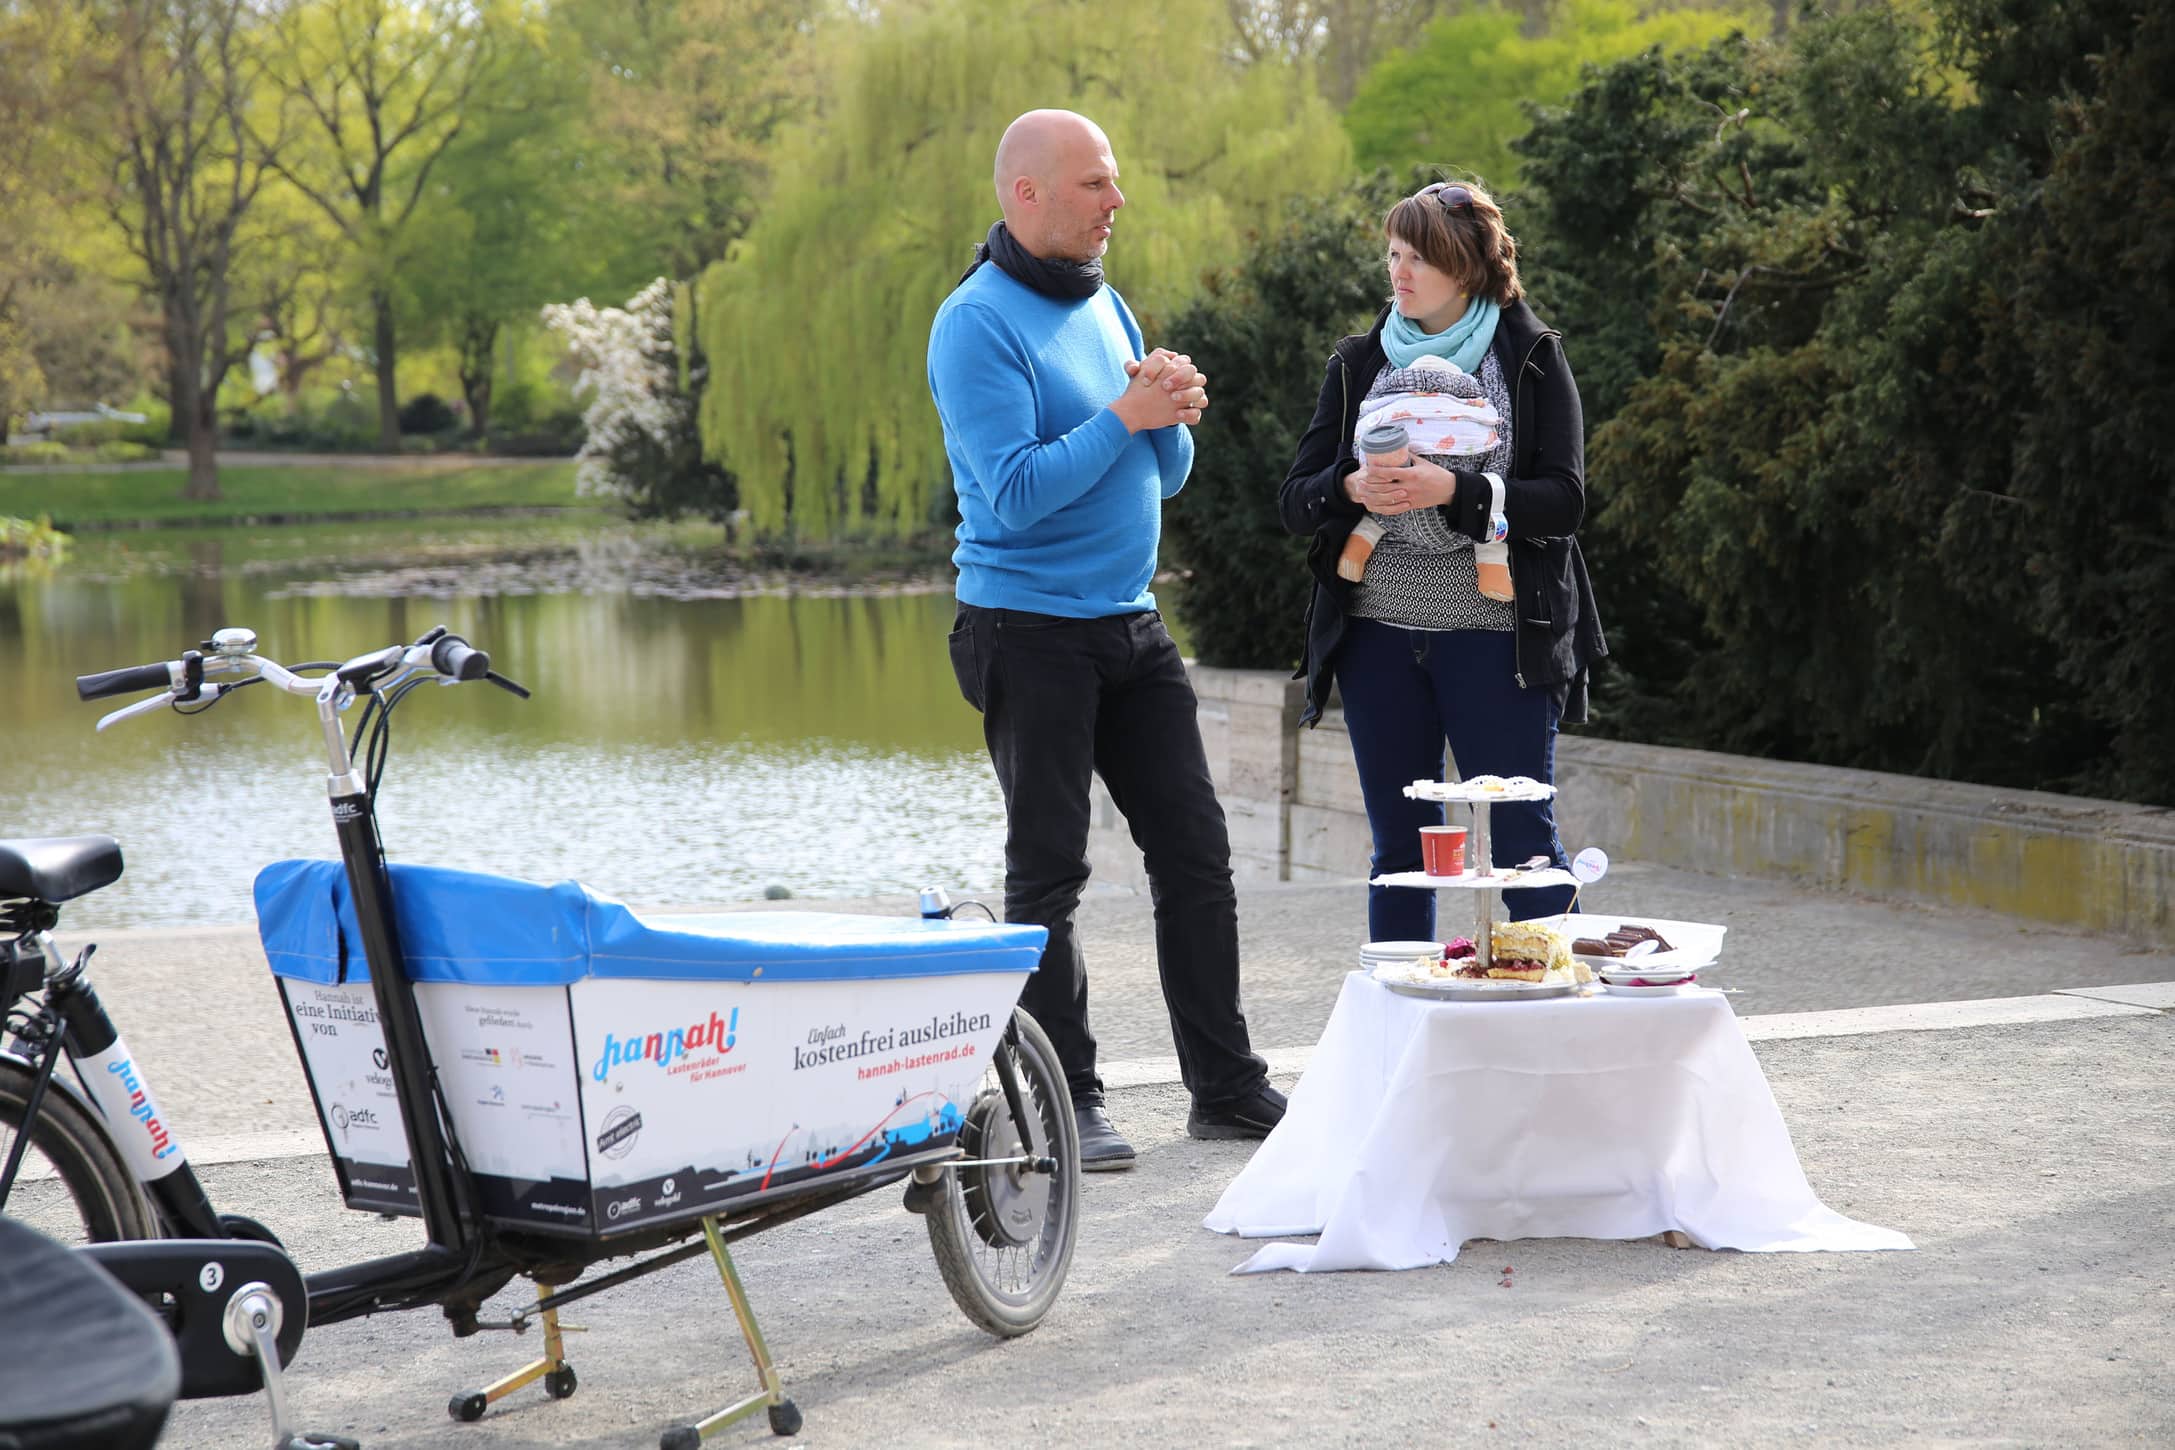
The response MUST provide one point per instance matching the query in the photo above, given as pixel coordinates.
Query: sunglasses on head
(1450, 194)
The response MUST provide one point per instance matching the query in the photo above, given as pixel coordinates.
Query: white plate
(1616, 969)
(1398, 951)
(1674, 989)
(1649, 984)
(1503, 878)
(1466, 989)
(1481, 789)
(1693, 944)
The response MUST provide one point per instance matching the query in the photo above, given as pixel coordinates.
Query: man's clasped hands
(1166, 389)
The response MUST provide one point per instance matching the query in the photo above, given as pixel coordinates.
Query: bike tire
(1007, 1287)
(86, 1194)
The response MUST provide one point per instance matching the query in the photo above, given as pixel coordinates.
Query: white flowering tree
(643, 445)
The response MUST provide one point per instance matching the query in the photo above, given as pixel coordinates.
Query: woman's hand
(1393, 491)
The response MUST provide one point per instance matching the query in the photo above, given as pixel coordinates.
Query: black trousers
(1062, 699)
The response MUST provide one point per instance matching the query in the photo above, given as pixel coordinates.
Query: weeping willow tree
(817, 323)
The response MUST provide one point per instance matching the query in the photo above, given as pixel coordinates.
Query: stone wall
(1292, 799)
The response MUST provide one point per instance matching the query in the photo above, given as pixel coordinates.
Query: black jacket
(1559, 634)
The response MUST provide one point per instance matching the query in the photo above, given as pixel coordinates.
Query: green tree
(301, 282)
(36, 92)
(1762, 548)
(72, 330)
(512, 220)
(1626, 177)
(1460, 96)
(1624, 185)
(186, 167)
(379, 91)
(817, 327)
(2094, 323)
(686, 98)
(1262, 332)
(1879, 484)
(1341, 39)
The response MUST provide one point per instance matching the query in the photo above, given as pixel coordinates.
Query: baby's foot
(1352, 563)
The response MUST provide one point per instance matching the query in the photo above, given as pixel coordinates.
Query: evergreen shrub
(1262, 332)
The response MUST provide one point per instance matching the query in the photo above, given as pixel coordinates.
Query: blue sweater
(1060, 508)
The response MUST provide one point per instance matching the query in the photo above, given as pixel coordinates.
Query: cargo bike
(548, 1080)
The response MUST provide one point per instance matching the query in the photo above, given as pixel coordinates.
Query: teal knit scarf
(1463, 343)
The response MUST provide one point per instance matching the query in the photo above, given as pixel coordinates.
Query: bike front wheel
(72, 1186)
(1003, 1235)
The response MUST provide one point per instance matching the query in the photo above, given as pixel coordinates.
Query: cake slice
(1530, 951)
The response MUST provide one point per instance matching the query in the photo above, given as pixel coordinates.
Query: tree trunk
(198, 413)
(388, 396)
(177, 408)
(478, 337)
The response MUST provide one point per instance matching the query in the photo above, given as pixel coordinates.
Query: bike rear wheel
(1004, 1236)
(73, 1186)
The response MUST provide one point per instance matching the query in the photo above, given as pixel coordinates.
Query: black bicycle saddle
(83, 1362)
(58, 868)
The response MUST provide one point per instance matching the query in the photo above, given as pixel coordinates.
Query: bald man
(1065, 438)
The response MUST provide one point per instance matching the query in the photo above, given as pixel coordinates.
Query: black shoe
(1252, 1116)
(1101, 1149)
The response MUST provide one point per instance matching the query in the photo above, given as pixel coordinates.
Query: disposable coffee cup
(1387, 444)
(1442, 850)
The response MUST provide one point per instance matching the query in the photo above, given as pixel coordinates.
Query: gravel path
(2034, 1166)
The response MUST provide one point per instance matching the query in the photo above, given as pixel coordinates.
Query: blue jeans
(1406, 693)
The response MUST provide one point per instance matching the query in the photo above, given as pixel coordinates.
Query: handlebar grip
(123, 682)
(453, 656)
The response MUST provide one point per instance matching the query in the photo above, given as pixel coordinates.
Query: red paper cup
(1442, 850)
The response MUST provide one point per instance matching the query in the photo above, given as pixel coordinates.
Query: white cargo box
(606, 1071)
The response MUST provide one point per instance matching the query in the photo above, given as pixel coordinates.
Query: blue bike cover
(462, 926)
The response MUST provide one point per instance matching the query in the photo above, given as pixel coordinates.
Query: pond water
(696, 735)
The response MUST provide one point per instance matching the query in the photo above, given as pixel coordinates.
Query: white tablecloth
(1420, 1125)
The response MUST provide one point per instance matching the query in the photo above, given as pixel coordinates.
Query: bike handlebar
(183, 680)
(452, 656)
(370, 666)
(126, 681)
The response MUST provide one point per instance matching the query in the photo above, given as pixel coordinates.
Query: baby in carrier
(1449, 421)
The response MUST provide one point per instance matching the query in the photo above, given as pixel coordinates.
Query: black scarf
(1056, 277)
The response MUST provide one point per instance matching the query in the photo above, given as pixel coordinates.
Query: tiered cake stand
(1481, 873)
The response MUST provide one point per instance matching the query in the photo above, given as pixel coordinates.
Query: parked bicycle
(661, 1147)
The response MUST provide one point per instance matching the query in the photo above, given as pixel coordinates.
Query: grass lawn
(94, 497)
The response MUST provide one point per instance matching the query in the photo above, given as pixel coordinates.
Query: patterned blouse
(1421, 573)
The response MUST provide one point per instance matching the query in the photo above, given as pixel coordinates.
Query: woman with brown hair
(1421, 656)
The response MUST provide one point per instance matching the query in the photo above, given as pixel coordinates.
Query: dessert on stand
(1546, 957)
(1467, 969)
(1426, 1120)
